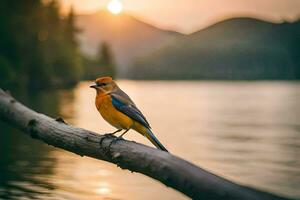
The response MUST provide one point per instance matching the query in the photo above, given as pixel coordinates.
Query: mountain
(128, 37)
(235, 49)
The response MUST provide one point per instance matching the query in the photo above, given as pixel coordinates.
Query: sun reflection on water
(103, 189)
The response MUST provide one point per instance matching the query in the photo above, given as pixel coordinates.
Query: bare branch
(170, 170)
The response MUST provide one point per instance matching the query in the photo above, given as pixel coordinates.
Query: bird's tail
(155, 141)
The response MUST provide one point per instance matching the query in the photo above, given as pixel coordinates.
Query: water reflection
(25, 164)
(248, 132)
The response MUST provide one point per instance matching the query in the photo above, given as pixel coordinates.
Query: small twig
(60, 120)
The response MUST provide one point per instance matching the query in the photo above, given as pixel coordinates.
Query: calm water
(248, 132)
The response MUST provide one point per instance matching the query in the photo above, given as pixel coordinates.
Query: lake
(248, 132)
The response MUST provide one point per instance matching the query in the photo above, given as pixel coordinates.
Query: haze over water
(192, 15)
(248, 132)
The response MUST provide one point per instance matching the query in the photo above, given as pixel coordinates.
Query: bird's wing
(127, 107)
(123, 96)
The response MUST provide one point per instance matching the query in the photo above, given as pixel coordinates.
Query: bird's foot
(115, 140)
(120, 137)
(105, 136)
(109, 135)
(113, 133)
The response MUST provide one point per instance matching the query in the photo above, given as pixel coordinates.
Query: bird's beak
(93, 86)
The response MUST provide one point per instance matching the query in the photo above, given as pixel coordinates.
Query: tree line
(39, 48)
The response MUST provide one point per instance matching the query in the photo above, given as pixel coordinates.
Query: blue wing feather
(129, 109)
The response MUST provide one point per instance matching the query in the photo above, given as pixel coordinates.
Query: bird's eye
(101, 84)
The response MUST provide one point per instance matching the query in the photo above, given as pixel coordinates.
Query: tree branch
(164, 167)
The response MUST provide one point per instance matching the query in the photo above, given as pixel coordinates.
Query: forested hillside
(234, 49)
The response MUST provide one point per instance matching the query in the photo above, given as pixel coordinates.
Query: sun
(115, 6)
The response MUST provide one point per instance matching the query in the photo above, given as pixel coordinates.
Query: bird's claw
(116, 139)
(108, 135)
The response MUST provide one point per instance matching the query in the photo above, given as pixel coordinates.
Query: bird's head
(104, 85)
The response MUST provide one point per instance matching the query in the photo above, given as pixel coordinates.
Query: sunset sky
(190, 15)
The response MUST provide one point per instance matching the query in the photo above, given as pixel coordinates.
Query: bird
(116, 107)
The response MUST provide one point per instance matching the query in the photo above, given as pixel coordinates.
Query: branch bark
(167, 168)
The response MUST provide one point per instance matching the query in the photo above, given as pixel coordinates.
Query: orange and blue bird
(116, 107)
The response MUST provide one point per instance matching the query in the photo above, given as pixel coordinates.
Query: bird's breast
(111, 114)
